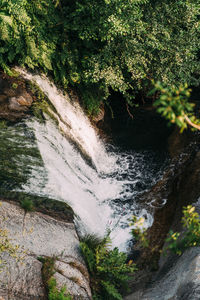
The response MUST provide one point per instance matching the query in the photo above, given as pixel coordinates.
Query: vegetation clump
(190, 237)
(173, 104)
(54, 293)
(27, 204)
(138, 231)
(108, 268)
(177, 242)
(99, 46)
(48, 270)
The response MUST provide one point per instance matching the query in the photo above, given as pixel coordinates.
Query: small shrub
(54, 293)
(48, 270)
(173, 104)
(92, 100)
(177, 242)
(190, 237)
(108, 268)
(27, 204)
(3, 124)
(14, 85)
(138, 231)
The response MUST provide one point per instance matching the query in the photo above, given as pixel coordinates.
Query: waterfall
(73, 122)
(102, 194)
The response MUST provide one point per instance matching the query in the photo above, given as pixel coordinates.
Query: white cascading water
(73, 122)
(91, 191)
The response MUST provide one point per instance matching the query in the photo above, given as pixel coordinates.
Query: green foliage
(3, 124)
(48, 270)
(108, 268)
(191, 235)
(27, 204)
(125, 44)
(54, 293)
(177, 242)
(14, 85)
(173, 104)
(138, 231)
(26, 33)
(92, 98)
(100, 45)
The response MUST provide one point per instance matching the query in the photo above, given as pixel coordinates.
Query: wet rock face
(180, 283)
(41, 236)
(15, 101)
(177, 141)
(179, 186)
(21, 102)
(171, 277)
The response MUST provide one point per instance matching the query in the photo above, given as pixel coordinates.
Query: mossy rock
(56, 209)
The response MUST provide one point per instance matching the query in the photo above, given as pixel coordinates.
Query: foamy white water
(72, 180)
(101, 197)
(74, 123)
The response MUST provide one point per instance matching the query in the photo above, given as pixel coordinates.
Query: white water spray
(74, 123)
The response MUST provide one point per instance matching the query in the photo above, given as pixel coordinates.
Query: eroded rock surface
(41, 236)
(22, 280)
(15, 101)
(181, 282)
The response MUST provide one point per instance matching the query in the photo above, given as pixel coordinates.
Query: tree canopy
(104, 45)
